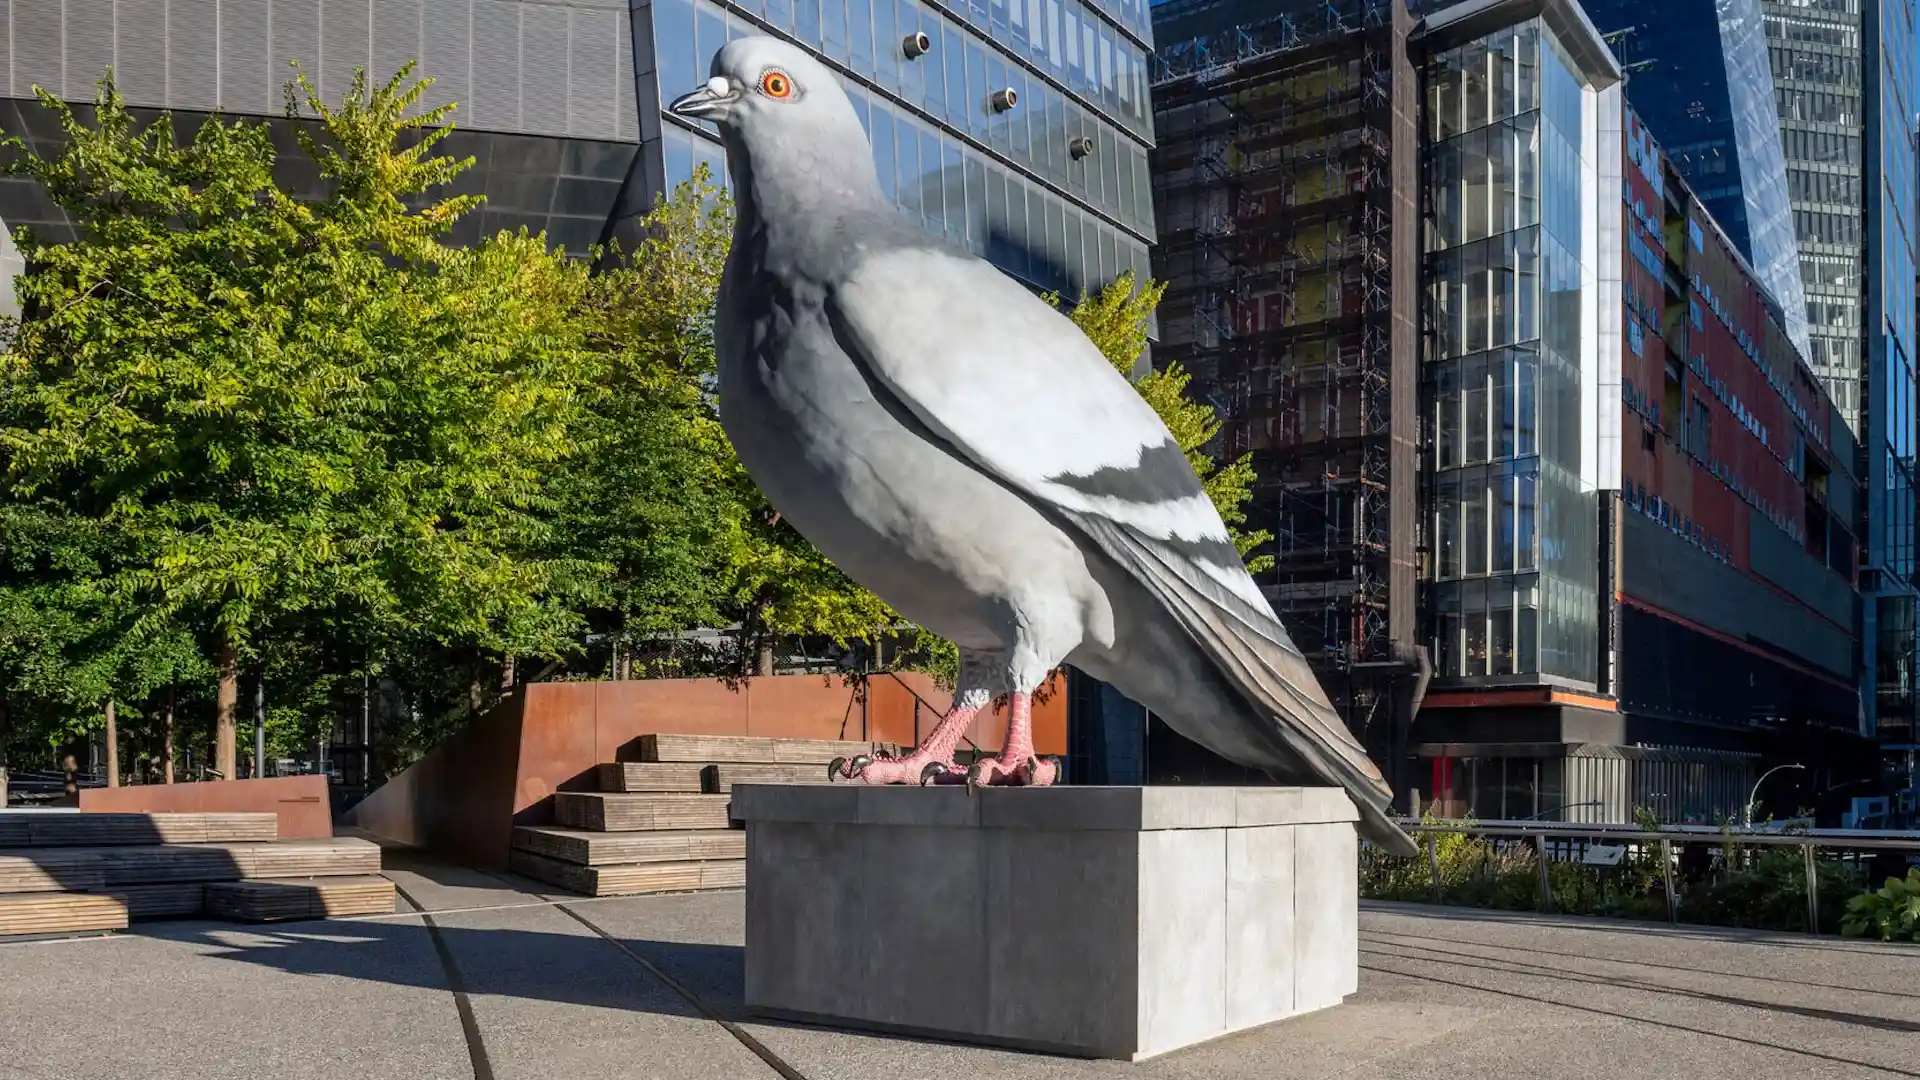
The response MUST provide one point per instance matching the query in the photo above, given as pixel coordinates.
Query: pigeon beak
(710, 100)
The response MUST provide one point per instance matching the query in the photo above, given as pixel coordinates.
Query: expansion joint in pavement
(745, 1038)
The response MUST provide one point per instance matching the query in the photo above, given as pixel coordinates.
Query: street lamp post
(1755, 793)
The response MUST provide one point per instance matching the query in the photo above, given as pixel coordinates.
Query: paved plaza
(499, 980)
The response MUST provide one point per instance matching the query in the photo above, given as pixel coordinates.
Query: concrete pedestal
(1117, 922)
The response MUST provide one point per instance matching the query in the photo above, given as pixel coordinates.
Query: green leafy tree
(282, 411)
(1115, 319)
(652, 490)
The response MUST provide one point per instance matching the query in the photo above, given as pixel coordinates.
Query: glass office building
(1514, 244)
(1844, 74)
(1053, 189)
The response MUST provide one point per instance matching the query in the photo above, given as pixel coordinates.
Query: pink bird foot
(930, 763)
(1016, 765)
(918, 767)
(1025, 770)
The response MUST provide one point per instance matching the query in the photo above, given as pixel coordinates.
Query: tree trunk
(113, 746)
(476, 687)
(71, 767)
(166, 740)
(764, 664)
(6, 730)
(226, 704)
(509, 674)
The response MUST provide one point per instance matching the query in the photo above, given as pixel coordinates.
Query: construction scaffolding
(1285, 191)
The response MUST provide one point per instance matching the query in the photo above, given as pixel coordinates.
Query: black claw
(932, 772)
(835, 767)
(973, 777)
(859, 764)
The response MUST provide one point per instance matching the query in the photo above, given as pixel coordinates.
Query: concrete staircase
(660, 824)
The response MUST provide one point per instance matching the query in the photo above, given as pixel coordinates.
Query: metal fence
(1767, 878)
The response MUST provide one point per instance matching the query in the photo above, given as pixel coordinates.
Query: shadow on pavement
(570, 969)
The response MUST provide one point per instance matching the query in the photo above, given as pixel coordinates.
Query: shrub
(1890, 914)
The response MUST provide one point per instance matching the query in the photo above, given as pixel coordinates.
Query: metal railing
(1633, 848)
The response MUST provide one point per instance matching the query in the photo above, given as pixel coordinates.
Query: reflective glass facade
(1889, 344)
(1817, 52)
(1510, 273)
(1005, 184)
(1700, 79)
(1844, 73)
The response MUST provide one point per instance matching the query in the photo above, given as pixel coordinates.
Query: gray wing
(1014, 387)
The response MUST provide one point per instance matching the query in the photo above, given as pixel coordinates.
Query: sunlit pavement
(504, 980)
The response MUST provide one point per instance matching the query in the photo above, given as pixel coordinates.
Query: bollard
(1546, 882)
(1813, 890)
(1666, 874)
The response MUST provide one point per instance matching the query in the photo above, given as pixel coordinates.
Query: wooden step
(719, 779)
(708, 749)
(638, 776)
(687, 776)
(585, 848)
(332, 857)
(59, 829)
(51, 871)
(602, 812)
(93, 869)
(176, 901)
(631, 880)
(60, 913)
(270, 900)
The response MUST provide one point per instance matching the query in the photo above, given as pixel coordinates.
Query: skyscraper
(1844, 75)
(1716, 112)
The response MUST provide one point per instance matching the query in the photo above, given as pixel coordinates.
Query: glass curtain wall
(1004, 183)
(1514, 526)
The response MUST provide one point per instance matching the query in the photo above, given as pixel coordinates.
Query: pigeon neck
(802, 182)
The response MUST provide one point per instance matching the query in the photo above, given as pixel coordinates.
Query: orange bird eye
(775, 84)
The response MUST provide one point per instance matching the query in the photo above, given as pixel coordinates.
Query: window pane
(673, 33)
(883, 149)
(833, 28)
(679, 155)
(886, 45)
(1473, 499)
(906, 158)
(953, 189)
(976, 204)
(806, 21)
(913, 79)
(780, 14)
(933, 206)
(1017, 116)
(953, 63)
(977, 91)
(860, 36)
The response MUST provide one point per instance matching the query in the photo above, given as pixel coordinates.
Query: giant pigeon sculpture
(960, 448)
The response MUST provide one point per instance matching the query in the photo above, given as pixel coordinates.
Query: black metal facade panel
(548, 68)
(1668, 573)
(1669, 672)
(568, 188)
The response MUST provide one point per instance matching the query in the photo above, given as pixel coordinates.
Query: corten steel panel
(559, 744)
(459, 799)
(465, 796)
(300, 802)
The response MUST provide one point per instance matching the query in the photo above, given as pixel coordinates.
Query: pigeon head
(777, 106)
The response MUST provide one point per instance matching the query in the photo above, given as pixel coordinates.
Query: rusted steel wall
(300, 802)
(463, 799)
